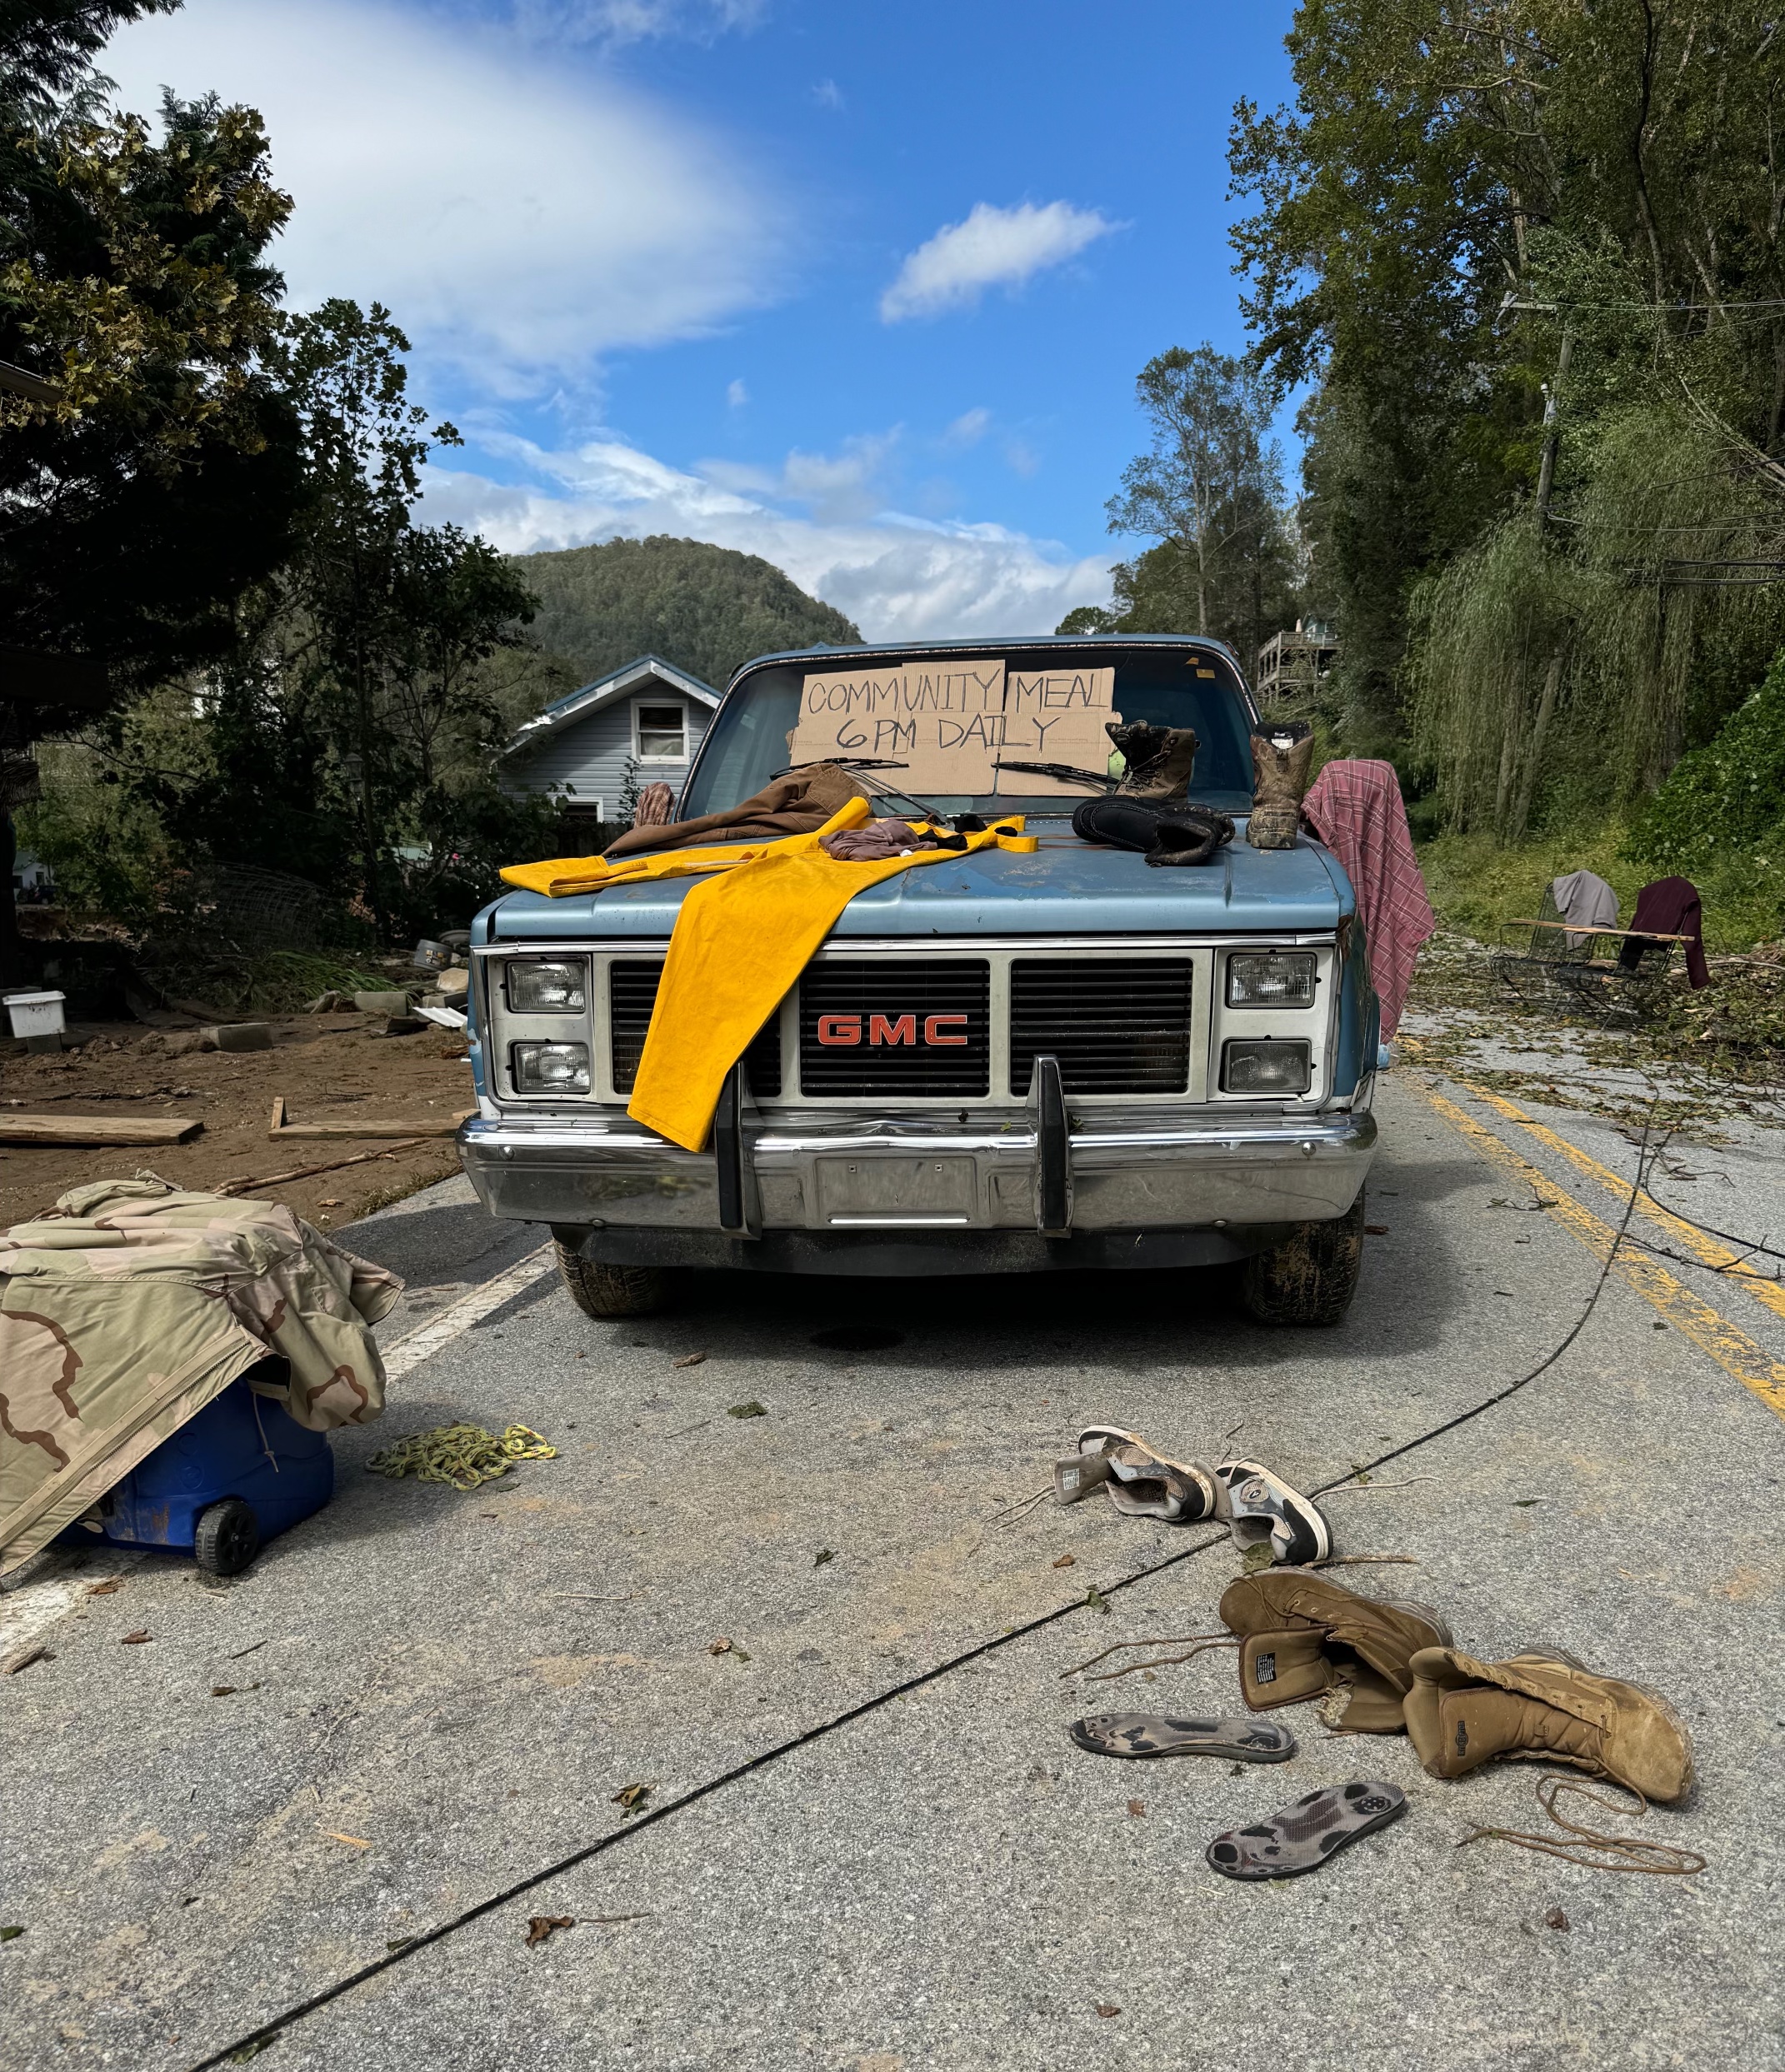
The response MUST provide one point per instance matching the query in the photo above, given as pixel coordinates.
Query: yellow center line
(1703, 1246)
(1733, 1350)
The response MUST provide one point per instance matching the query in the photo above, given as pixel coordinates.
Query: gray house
(649, 716)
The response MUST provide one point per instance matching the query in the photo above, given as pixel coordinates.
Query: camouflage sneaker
(1543, 1706)
(1259, 1505)
(1302, 1634)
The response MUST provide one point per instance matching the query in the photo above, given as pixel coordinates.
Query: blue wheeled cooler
(238, 1474)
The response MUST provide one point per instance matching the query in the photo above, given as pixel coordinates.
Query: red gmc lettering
(934, 1023)
(839, 1029)
(881, 1031)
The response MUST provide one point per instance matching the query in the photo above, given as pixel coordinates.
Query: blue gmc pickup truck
(1110, 1065)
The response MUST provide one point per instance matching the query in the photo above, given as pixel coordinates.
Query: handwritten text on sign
(951, 723)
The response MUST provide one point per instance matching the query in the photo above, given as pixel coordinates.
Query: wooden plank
(96, 1129)
(367, 1127)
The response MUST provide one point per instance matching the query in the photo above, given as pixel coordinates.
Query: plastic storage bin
(236, 1475)
(35, 1014)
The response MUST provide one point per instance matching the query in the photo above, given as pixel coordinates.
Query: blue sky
(862, 288)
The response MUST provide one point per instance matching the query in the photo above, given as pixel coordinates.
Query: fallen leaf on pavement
(1376, 1230)
(399, 1942)
(1524, 1503)
(1137, 1808)
(329, 1202)
(242, 2052)
(105, 1590)
(544, 1925)
(630, 1797)
(1556, 1919)
(136, 1639)
(747, 1409)
(824, 1554)
(1095, 1600)
(231, 1691)
(688, 1359)
(1105, 2010)
(721, 1646)
(1067, 1561)
(356, 1841)
(22, 1657)
(1255, 1558)
(8, 1934)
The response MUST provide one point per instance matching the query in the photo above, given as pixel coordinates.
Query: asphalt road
(439, 1695)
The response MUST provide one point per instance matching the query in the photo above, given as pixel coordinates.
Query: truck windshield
(955, 718)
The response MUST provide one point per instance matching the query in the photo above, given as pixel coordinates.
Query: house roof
(604, 691)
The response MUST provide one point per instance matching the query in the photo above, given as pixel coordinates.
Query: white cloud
(736, 395)
(993, 248)
(828, 95)
(614, 23)
(898, 578)
(836, 487)
(519, 219)
(969, 428)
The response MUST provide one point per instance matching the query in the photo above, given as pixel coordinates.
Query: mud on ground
(330, 1068)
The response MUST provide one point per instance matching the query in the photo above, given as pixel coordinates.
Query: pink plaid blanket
(1356, 810)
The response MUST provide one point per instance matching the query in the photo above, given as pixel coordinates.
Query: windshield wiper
(1063, 771)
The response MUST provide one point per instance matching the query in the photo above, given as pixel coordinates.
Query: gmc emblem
(835, 1031)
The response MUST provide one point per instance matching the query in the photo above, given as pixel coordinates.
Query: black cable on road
(256, 2040)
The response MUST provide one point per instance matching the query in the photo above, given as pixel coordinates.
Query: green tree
(1209, 489)
(148, 464)
(1492, 231)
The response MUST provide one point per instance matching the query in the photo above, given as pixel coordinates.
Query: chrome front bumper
(861, 1178)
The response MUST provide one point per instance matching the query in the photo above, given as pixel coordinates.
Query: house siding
(590, 754)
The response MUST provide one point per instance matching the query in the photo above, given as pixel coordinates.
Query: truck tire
(599, 1290)
(1311, 1277)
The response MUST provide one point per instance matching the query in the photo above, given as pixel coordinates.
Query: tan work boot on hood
(1301, 1635)
(1543, 1706)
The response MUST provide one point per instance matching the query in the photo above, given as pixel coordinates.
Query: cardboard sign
(949, 723)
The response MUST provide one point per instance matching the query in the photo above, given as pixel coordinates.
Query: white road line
(32, 1608)
(414, 1347)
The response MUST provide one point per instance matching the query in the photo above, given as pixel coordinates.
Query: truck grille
(632, 994)
(1117, 1024)
(916, 1026)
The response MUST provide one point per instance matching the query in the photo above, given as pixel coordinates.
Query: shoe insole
(1143, 1734)
(1305, 1835)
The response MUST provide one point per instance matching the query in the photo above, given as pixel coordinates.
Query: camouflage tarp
(123, 1313)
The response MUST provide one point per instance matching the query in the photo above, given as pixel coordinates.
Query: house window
(663, 732)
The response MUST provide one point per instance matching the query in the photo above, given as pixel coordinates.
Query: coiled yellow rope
(463, 1455)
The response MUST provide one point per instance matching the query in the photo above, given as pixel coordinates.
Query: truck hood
(1066, 888)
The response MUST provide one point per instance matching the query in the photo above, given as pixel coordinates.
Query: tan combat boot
(1543, 1706)
(1301, 1635)
(1158, 760)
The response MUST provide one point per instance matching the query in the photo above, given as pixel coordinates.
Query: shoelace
(1628, 1852)
(1204, 1643)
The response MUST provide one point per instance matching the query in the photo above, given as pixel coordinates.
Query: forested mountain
(708, 609)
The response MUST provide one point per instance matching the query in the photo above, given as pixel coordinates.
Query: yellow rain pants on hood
(740, 942)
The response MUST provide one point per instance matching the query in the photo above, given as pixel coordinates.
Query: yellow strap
(741, 941)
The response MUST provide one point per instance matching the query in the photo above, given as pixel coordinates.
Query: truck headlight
(1265, 1065)
(553, 1068)
(546, 986)
(1271, 978)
